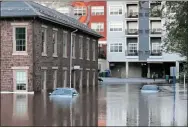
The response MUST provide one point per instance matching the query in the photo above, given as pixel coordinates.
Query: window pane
(20, 39)
(21, 80)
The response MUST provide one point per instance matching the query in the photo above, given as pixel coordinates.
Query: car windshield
(150, 87)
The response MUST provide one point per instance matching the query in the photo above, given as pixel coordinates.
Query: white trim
(65, 31)
(87, 69)
(109, 24)
(44, 26)
(93, 69)
(19, 24)
(45, 68)
(20, 68)
(81, 68)
(81, 36)
(55, 29)
(54, 67)
(8, 92)
(118, 11)
(65, 68)
(20, 53)
(88, 38)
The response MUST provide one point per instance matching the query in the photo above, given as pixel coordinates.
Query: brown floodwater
(106, 105)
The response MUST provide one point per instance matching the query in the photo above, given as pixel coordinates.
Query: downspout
(33, 54)
(70, 70)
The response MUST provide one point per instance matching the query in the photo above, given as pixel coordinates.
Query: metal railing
(156, 53)
(131, 52)
(155, 31)
(131, 15)
(131, 31)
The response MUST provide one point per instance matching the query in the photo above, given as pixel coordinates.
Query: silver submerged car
(150, 89)
(64, 92)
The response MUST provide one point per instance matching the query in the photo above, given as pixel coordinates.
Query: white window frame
(55, 32)
(80, 9)
(74, 46)
(111, 7)
(116, 45)
(136, 48)
(65, 77)
(99, 26)
(19, 25)
(44, 80)
(55, 69)
(65, 39)
(88, 48)
(81, 77)
(44, 52)
(94, 53)
(74, 79)
(115, 25)
(15, 70)
(97, 10)
(81, 46)
(94, 78)
(87, 78)
(156, 47)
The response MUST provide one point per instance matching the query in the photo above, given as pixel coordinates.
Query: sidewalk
(112, 80)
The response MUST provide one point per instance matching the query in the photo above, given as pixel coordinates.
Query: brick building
(35, 49)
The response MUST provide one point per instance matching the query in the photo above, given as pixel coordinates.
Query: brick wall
(8, 60)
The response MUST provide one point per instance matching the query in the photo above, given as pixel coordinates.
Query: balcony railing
(155, 13)
(131, 15)
(156, 53)
(131, 31)
(155, 31)
(131, 53)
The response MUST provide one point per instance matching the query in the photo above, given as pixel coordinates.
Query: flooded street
(106, 105)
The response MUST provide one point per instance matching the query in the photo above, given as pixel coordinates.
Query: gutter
(70, 70)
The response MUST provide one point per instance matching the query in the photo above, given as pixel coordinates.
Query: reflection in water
(108, 105)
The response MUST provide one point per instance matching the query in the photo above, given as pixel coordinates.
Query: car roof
(72, 89)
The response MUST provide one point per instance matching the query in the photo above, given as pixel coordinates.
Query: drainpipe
(70, 71)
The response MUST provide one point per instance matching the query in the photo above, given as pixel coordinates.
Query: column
(127, 69)
(148, 74)
(177, 70)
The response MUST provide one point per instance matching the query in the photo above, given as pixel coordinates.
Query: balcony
(156, 31)
(131, 31)
(131, 53)
(131, 15)
(156, 53)
(155, 13)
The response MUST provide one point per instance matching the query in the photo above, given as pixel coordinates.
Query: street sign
(173, 71)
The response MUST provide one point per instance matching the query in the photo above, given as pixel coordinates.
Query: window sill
(44, 54)
(54, 55)
(88, 59)
(20, 53)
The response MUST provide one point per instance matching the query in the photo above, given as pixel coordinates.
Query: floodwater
(106, 105)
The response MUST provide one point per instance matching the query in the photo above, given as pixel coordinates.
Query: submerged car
(64, 92)
(150, 89)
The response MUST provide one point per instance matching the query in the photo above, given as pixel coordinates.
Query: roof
(32, 9)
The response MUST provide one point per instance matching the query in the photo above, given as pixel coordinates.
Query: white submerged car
(64, 92)
(150, 89)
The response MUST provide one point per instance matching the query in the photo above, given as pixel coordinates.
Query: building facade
(35, 49)
(92, 14)
(134, 37)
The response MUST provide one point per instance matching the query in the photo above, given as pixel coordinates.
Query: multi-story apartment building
(135, 36)
(91, 13)
(36, 49)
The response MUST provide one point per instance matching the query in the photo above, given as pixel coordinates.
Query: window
(87, 48)
(44, 79)
(156, 48)
(64, 78)
(81, 46)
(44, 49)
(55, 79)
(98, 27)
(117, 47)
(87, 78)
(97, 10)
(132, 48)
(19, 38)
(116, 26)
(80, 11)
(21, 80)
(54, 41)
(65, 44)
(94, 50)
(116, 10)
(73, 45)
(81, 77)
(74, 79)
(93, 78)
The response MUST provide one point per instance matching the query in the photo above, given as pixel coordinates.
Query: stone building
(35, 49)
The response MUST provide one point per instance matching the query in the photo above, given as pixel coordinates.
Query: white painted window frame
(44, 28)
(116, 45)
(44, 77)
(81, 46)
(55, 74)
(115, 25)
(65, 76)
(80, 9)
(97, 10)
(115, 6)
(19, 25)
(65, 40)
(99, 25)
(88, 48)
(15, 69)
(156, 47)
(135, 44)
(94, 53)
(55, 31)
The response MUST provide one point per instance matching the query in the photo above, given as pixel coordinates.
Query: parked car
(150, 89)
(64, 92)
